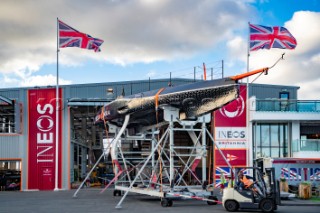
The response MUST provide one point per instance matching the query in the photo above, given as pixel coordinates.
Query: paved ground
(90, 200)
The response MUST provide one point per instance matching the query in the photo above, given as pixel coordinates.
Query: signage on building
(234, 113)
(231, 137)
(230, 134)
(233, 156)
(42, 139)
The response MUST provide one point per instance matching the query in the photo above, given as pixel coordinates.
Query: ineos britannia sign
(230, 134)
(42, 139)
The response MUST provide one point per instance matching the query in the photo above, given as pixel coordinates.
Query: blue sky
(151, 38)
(277, 12)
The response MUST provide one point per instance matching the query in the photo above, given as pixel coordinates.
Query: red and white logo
(231, 157)
(236, 157)
(234, 109)
(233, 114)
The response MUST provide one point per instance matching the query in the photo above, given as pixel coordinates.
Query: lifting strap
(156, 102)
(156, 98)
(104, 121)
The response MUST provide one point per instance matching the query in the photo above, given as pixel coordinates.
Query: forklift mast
(274, 185)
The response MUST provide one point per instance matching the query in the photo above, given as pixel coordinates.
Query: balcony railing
(287, 105)
(306, 145)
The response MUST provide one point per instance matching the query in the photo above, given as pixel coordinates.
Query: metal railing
(306, 145)
(287, 105)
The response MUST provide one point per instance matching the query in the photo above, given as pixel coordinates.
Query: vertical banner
(42, 139)
(230, 134)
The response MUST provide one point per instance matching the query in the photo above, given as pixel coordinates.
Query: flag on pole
(262, 37)
(69, 37)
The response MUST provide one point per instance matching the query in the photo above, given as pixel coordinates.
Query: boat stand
(165, 172)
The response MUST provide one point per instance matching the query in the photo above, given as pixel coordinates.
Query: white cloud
(147, 31)
(43, 80)
(238, 48)
(301, 65)
(310, 90)
(33, 80)
(133, 30)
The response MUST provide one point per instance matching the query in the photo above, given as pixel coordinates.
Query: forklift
(262, 193)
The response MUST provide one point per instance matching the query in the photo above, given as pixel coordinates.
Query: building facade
(37, 156)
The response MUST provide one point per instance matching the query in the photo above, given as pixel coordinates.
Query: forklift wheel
(231, 205)
(116, 193)
(266, 205)
(164, 202)
(211, 202)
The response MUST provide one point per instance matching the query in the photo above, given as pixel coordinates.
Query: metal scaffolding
(167, 169)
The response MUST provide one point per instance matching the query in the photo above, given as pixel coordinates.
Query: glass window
(285, 135)
(270, 140)
(275, 152)
(265, 152)
(274, 135)
(284, 152)
(10, 118)
(284, 95)
(284, 140)
(281, 135)
(256, 141)
(265, 135)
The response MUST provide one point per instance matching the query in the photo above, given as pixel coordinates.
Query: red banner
(230, 134)
(234, 113)
(234, 157)
(42, 139)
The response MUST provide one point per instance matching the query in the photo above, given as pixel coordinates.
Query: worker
(230, 182)
(246, 182)
(222, 182)
(243, 181)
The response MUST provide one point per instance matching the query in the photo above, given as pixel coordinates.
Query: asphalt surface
(91, 200)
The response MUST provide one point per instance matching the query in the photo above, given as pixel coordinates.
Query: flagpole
(247, 97)
(56, 187)
(248, 51)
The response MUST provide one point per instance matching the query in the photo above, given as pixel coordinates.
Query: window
(270, 140)
(10, 116)
(274, 135)
(284, 95)
(265, 136)
(284, 100)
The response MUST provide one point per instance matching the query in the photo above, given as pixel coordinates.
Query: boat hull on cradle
(192, 100)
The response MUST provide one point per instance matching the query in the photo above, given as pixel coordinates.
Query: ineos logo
(239, 103)
(48, 127)
(45, 135)
(231, 134)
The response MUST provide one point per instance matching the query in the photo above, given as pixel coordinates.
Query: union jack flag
(69, 37)
(262, 37)
(221, 170)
